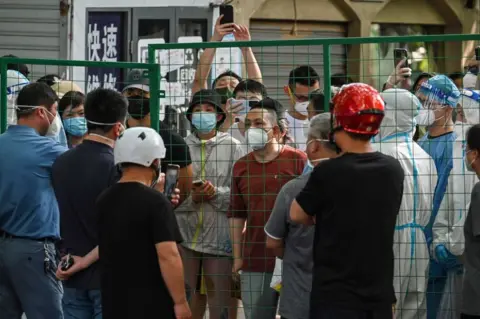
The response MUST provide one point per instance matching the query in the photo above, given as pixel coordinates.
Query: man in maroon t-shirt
(257, 179)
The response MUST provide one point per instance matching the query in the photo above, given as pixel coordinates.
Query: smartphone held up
(227, 11)
(400, 55)
(171, 179)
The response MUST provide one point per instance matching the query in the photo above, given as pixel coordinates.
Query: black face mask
(225, 94)
(138, 107)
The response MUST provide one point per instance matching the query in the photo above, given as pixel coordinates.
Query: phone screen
(227, 12)
(477, 53)
(171, 179)
(399, 55)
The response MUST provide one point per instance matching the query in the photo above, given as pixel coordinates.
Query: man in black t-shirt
(141, 268)
(138, 93)
(354, 202)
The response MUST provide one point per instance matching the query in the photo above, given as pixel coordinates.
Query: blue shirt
(440, 148)
(28, 204)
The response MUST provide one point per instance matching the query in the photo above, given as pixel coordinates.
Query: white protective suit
(15, 82)
(410, 245)
(448, 225)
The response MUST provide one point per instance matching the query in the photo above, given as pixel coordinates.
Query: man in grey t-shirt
(471, 281)
(293, 243)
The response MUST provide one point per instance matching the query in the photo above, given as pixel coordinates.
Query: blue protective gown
(440, 148)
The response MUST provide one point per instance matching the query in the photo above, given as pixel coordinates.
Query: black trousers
(331, 312)
(464, 316)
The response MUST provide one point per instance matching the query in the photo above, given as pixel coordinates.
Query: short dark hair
(224, 74)
(473, 137)
(73, 98)
(22, 68)
(456, 75)
(49, 79)
(253, 86)
(304, 75)
(317, 99)
(105, 106)
(340, 79)
(420, 77)
(360, 137)
(35, 94)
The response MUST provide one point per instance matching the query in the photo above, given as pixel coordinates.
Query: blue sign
(105, 43)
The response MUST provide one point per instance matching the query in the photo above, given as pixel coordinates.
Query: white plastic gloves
(399, 74)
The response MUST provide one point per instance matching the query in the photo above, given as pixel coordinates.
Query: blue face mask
(76, 126)
(204, 122)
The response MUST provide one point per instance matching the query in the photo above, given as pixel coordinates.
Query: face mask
(54, 127)
(318, 160)
(425, 117)
(301, 107)
(312, 162)
(156, 178)
(225, 93)
(204, 122)
(76, 126)
(468, 164)
(257, 138)
(138, 106)
(107, 124)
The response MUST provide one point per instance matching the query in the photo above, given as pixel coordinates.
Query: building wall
(359, 15)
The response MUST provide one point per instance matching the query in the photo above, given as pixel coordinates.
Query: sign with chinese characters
(142, 47)
(177, 68)
(105, 43)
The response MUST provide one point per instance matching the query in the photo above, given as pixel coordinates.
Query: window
(423, 57)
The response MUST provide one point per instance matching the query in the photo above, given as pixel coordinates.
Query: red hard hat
(358, 108)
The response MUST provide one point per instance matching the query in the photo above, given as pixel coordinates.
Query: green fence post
(154, 74)
(3, 96)
(327, 83)
(151, 55)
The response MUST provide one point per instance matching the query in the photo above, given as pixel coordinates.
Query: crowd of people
(363, 208)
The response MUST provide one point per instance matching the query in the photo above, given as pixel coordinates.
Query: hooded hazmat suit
(448, 225)
(15, 82)
(410, 245)
(439, 92)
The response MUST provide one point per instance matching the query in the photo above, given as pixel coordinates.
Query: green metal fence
(266, 50)
(150, 70)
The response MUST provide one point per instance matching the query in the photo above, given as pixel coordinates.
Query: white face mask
(311, 163)
(104, 137)
(468, 164)
(301, 107)
(55, 126)
(257, 138)
(425, 117)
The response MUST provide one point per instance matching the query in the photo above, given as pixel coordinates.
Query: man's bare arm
(172, 270)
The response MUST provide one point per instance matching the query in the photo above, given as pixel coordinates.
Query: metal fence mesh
(208, 248)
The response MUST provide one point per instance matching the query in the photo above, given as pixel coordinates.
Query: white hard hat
(139, 145)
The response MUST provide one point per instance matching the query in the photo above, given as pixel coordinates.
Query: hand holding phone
(202, 191)
(399, 56)
(67, 263)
